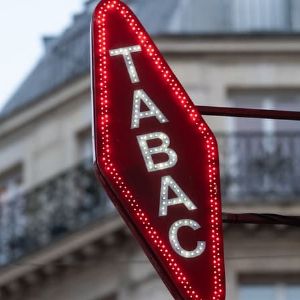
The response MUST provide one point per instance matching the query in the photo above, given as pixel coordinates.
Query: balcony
(260, 168)
(254, 168)
(63, 205)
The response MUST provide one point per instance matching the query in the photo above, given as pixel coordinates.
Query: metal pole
(251, 218)
(249, 113)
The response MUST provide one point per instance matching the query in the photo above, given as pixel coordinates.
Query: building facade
(60, 238)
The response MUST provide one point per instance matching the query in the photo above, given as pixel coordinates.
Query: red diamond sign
(156, 156)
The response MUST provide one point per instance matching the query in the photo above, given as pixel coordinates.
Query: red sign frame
(156, 156)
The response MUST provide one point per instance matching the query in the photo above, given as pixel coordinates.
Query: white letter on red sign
(149, 152)
(166, 183)
(173, 236)
(140, 95)
(126, 52)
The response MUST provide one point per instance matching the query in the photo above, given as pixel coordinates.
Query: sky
(23, 23)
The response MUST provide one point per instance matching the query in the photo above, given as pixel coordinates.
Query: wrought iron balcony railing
(260, 168)
(63, 205)
(254, 167)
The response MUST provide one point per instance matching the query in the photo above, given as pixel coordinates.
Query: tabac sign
(156, 156)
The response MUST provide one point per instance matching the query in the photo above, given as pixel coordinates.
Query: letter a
(166, 183)
(140, 95)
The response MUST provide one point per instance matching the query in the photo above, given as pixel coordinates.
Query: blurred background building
(60, 238)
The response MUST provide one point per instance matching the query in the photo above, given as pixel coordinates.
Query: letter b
(163, 148)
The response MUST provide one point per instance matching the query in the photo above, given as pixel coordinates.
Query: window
(260, 15)
(261, 155)
(250, 292)
(194, 16)
(10, 183)
(108, 297)
(85, 145)
(12, 217)
(280, 99)
(85, 154)
(275, 291)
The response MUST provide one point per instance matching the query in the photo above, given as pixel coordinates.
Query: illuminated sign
(156, 156)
